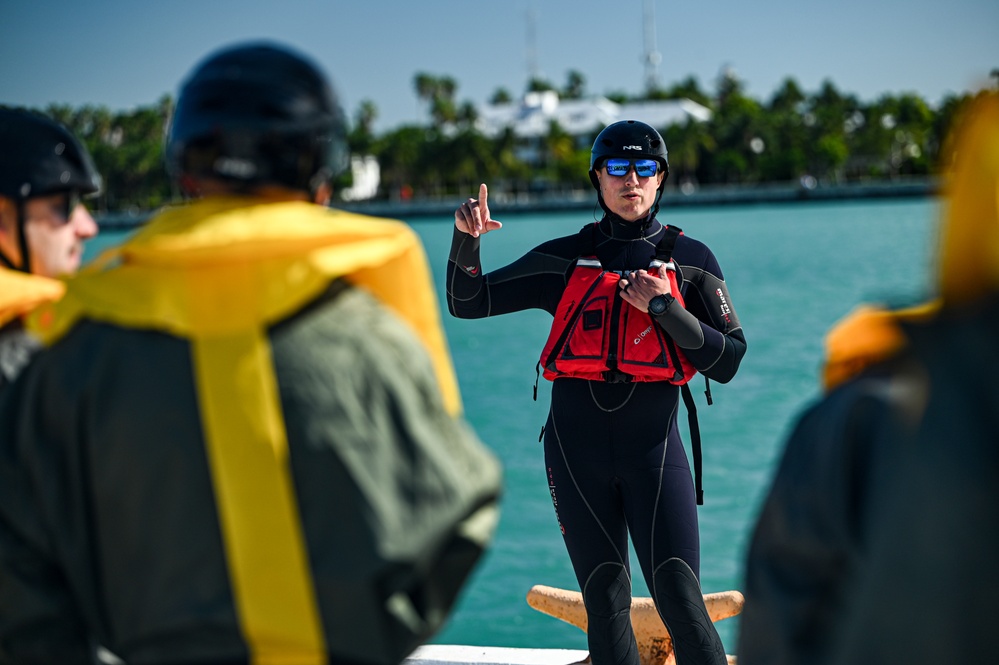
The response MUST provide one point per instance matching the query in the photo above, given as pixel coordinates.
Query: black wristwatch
(660, 303)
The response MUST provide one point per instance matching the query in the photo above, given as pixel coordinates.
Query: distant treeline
(828, 136)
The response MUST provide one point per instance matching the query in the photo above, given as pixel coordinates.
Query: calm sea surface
(792, 271)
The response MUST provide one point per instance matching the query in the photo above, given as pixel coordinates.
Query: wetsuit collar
(621, 229)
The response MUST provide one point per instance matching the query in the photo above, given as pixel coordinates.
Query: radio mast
(652, 57)
(533, 71)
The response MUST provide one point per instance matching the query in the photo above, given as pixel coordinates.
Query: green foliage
(828, 135)
(539, 85)
(575, 86)
(501, 96)
(127, 149)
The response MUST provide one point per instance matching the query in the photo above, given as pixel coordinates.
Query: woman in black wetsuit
(614, 459)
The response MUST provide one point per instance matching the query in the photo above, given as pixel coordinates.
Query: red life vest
(596, 335)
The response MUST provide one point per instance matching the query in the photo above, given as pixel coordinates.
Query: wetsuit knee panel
(681, 606)
(608, 590)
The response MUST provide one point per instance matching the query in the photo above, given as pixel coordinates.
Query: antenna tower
(533, 71)
(652, 57)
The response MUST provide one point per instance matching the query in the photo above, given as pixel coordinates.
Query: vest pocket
(588, 337)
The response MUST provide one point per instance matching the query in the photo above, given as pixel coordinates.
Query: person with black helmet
(638, 307)
(44, 171)
(244, 443)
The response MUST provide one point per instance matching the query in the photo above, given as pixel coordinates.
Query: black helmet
(257, 113)
(39, 156)
(628, 138)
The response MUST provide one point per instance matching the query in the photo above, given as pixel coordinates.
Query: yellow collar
(224, 264)
(20, 293)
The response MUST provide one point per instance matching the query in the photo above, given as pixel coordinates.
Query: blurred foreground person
(44, 171)
(879, 539)
(244, 444)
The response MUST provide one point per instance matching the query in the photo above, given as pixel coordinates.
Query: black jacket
(879, 539)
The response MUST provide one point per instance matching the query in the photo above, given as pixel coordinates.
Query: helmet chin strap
(655, 206)
(7, 262)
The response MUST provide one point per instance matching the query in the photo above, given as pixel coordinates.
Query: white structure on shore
(367, 175)
(533, 115)
(531, 118)
(531, 121)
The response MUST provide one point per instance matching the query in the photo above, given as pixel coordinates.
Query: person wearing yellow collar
(879, 537)
(44, 171)
(245, 443)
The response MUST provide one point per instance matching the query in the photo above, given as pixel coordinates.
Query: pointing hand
(472, 216)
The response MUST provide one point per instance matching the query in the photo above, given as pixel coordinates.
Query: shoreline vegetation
(797, 145)
(507, 203)
(711, 195)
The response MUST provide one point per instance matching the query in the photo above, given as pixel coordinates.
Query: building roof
(533, 115)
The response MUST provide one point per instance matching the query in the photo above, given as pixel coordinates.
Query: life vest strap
(664, 250)
(695, 440)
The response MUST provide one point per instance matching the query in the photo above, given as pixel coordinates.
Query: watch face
(657, 305)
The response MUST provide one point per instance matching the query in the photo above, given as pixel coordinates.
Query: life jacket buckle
(616, 376)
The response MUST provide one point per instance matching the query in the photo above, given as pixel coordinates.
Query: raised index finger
(483, 204)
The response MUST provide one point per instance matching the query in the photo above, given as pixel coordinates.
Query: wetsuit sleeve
(534, 281)
(39, 621)
(708, 330)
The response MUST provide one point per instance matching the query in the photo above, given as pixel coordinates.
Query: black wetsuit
(614, 459)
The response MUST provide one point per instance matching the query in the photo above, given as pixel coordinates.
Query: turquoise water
(792, 271)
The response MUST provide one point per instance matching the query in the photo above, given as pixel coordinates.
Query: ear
(189, 187)
(8, 217)
(323, 194)
(9, 246)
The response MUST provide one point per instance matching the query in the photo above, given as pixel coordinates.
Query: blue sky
(123, 54)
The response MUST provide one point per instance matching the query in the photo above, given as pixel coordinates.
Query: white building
(533, 115)
(367, 175)
(531, 118)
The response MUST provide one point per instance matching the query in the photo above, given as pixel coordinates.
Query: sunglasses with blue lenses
(644, 168)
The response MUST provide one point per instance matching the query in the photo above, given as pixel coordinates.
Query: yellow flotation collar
(219, 272)
(969, 258)
(866, 336)
(969, 251)
(20, 293)
(223, 264)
